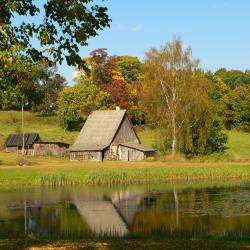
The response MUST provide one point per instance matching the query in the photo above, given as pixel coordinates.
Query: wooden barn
(33, 145)
(14, 142)
(108, 135)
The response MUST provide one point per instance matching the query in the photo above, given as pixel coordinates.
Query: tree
(65, 26)
(17, 80)
(234, 78)
(119, 76)
(237, 112)
(77, 102)
(130, 67)
(177, 97)
(49, 87)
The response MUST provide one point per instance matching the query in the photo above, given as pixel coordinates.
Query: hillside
(49, 129)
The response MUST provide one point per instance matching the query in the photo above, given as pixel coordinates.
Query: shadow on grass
(122, 244)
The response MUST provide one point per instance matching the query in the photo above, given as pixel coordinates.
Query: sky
(217, 30)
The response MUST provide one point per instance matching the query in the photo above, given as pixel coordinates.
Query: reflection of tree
(193, 212)
(61, 220)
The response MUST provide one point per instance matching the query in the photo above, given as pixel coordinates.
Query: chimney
(117, 108)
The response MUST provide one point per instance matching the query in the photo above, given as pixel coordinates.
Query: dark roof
(14, 140)
(137, 146)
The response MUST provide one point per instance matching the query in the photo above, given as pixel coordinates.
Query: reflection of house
(102, 217)
(33, 145)
(108, 135)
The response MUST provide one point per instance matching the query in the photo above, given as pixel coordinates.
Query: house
(33, 145)
(14, 142)
(108, 135)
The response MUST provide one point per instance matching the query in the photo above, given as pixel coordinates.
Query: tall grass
(99, 174)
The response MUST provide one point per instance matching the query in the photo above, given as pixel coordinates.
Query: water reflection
(75, 213)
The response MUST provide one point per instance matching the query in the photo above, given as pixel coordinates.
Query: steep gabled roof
(99, 130)
(14, 140)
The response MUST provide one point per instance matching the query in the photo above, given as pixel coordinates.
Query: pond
(176, 210)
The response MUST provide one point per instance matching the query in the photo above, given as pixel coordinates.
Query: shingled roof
(15, 140)
(99, 130)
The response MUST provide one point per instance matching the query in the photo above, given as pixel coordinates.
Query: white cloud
(136, 28)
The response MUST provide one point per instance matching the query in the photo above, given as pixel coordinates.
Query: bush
(21, 161)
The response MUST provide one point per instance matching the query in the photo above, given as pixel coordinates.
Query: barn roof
(14, 140)
(137, 146)
(99, 130)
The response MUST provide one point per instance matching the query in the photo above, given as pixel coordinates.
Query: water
(192, 210)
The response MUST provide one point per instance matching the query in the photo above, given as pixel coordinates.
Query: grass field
(49, 129)
(61, 172)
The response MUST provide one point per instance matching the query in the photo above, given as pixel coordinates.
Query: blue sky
(217, 30)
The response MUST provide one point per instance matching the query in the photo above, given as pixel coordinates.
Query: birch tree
(174, 94)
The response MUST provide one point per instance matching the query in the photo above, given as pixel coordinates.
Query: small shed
(134, 151)
(33, 145)
(14, 142)
(102, 135)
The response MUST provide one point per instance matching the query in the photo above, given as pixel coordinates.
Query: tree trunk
(173, 135)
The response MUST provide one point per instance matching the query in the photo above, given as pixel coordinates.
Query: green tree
(130, 67)
(18, 79)
(233, 78)
(49, 86)
(237, 112)
(64, 26)
(177, 98)
(77, 102)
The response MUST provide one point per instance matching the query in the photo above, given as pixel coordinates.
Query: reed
(101, 173)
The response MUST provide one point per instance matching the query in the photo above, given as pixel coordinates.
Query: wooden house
(108, 135)
(33, 145)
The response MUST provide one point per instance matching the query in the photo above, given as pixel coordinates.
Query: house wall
(111, 153)
(129, 154)
(53, 149)
(18, 149)
(125, 133)
(11, 149)
(86, 156)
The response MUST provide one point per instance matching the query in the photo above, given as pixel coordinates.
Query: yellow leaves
(2, 27)
(117, 75)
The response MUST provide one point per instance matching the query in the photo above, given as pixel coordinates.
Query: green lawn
(239, 144)
(61, 172)
(47, 126)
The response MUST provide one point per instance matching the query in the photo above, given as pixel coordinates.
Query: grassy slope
(239, 144)
(49, 129)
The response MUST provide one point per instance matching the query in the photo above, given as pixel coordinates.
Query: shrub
(21, 161)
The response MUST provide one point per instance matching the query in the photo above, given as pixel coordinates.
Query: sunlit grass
(48, 127)
(61, 172)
